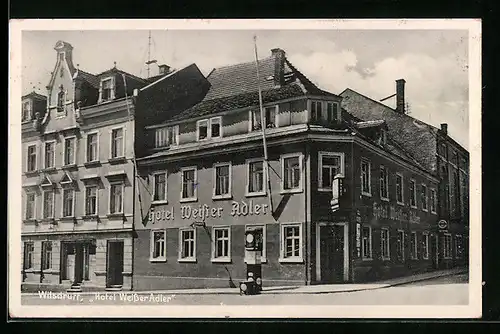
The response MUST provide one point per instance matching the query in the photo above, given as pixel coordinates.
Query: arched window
(60, 101)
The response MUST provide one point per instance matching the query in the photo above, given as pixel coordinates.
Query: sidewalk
(323, 288)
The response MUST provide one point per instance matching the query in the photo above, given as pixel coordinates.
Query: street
(450, 290)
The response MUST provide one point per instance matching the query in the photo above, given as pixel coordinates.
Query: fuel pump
(253, 245)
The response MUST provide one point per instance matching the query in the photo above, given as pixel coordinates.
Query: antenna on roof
(149, 62)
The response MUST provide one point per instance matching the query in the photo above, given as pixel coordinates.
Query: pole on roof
(263, 129)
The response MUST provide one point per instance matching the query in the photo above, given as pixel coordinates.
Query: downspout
(353, 249)
(308, 213)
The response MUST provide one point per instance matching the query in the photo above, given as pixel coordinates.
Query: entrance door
(115, 263)
(434, 251)
(79, 265)
(332, 253)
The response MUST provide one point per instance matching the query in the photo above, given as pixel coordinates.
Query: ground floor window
(425, 245)
(187, 244)
(158, 245)
(46, 255)
(366, 242)
(413, 246)
(401, 246)
(459, 246)
(221, 244)
(29, 251)
(291, 242)
(384, 244)
(447, 250)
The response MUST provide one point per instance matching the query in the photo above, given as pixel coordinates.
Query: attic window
(107, 89)
(209, 128)
(26, 112)
(60, 100)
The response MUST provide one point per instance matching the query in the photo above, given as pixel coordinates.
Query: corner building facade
(204, 183)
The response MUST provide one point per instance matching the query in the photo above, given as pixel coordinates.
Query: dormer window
(270, 118)
(324, 111)
(209, 128)
(166, 136)
(26, 112)
(107, 89)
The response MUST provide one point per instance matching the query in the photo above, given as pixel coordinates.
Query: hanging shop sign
(205, 211)
(358, 239)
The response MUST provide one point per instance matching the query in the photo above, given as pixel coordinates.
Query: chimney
(279, 66)
(400, 95)
(164, 69)
(444, 128)
(65, 53)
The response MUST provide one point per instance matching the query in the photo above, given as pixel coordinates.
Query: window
(459, 247)
(423, 197)
(291, 173)
(366, 177)
(270, 113)
(447, 250)
(187, 245)
(413, 194)
(413, 246)
(401, 246)
(366, 242)
(117, 143)
(331, 111)
(316, 110)
(50, 155)
(116, 198)
(255, 179)
(26, 112)
(92, 147)
(261, 228)
(91, 200)
(29, 251)
(166, 136)
(209, 128)
(31, 159)
(60, 101)
(48, 204)
(425, 245)
(68, 202)
(188, 182)
(291, 242)
(221, 248)
(30, 205)
(107, 89)
(330, 165)
(160, 187)
(222, 180)
(384, 243)
(383, 137)
(399, 189)
(158, 245)
(69, 151)
(384, 183)
(433, 201)
(46, 255)
(255, 120)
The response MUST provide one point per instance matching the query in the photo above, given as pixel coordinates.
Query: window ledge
(156, 260)
(70, 166)
(33, 172)
(69, 218)
(117, 160)
(262, 260)
(92, 163)
(49, 170)
(367, 259)
(413, 207)
(400, 203)
(50, 271)
(47, 220)
(115, 215)
(159, 202)
(187, 260)
(90, 217)
(425, 210)
(290, 191)
(187, 200)
(385, 199)
(434, 212)
(386, 259)
(366, 194)
(291, 260)
(222, 197)
(221, 260)
(255, 194)
(30, 221)
(325, 189)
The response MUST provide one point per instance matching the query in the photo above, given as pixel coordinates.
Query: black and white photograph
(245, 168)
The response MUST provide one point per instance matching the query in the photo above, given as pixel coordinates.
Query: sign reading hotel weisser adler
(205, 211)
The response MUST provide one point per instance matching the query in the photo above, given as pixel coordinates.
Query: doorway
(114, 274)
(75, 262)
(333, 255)
(434, 251)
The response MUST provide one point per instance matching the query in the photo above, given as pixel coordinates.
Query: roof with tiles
(236, 86)
(34, 95)
(415, 137)
(91, 79)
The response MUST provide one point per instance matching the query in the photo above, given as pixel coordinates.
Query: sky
(434, 63)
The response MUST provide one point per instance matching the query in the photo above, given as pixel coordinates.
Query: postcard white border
(473, 310)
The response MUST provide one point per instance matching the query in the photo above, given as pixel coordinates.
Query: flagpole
(263, 127)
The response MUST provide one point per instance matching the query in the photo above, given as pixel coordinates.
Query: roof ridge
(238, 64)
